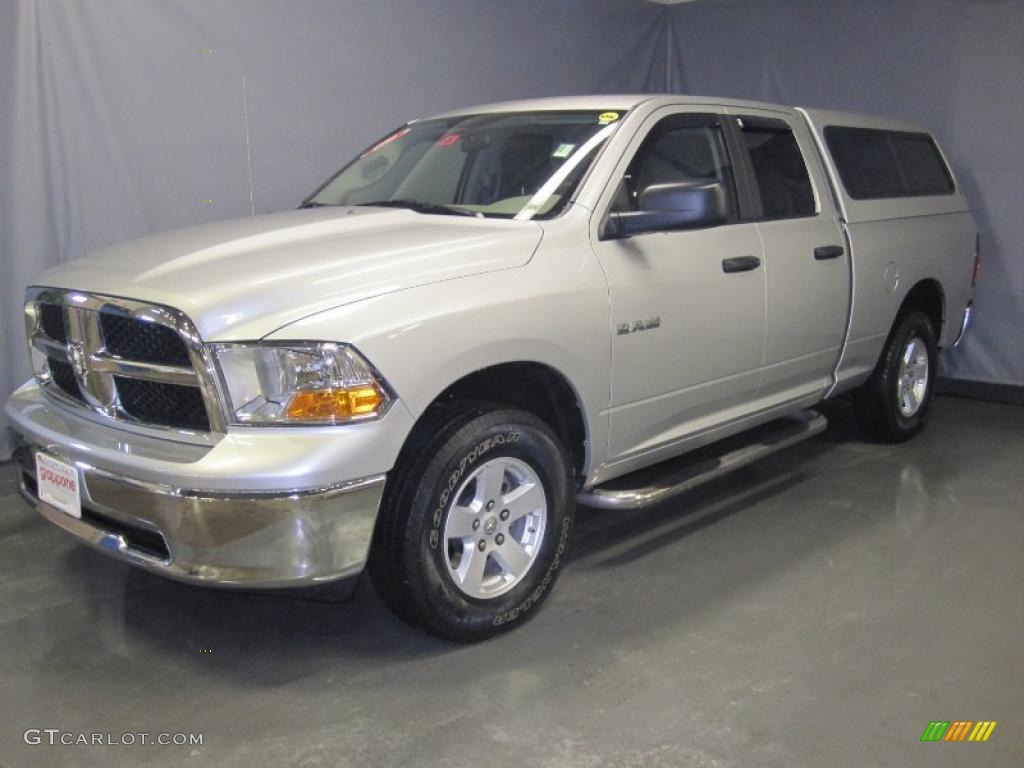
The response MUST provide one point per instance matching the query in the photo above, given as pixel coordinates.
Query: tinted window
(923, 169)
(680, 148)
(779, 169)
(879, 164)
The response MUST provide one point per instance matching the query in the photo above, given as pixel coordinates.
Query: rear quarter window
(876, 164)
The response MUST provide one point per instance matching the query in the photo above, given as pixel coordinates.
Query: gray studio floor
(818, 609)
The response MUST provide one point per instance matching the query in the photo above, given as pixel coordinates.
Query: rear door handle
(823, 252)
(740, 264)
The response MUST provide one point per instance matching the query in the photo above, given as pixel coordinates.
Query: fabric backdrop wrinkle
(116, 122)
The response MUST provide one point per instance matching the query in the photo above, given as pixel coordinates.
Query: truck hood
(244, 278)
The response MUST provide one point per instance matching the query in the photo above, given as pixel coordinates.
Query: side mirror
(679, 205)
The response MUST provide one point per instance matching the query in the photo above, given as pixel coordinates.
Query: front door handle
(740, 264)
(823, 252)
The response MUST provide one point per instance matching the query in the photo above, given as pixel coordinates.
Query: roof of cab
(619, 101)
(628, 101)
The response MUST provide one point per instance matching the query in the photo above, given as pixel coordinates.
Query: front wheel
(476, 523)
(893, 403)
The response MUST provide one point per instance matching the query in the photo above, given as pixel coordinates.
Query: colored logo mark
(958, 730)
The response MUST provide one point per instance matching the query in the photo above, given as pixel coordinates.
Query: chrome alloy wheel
(912, 381)
(495, 527)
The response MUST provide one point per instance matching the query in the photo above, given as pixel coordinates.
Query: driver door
(687, 328)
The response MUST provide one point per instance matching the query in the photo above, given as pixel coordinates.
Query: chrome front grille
(122, 360)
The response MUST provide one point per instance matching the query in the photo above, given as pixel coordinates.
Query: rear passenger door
(806, 261)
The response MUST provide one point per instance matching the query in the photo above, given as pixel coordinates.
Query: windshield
(519, 165)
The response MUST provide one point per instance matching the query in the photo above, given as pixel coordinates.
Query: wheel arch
(926, 295)
(535, 387)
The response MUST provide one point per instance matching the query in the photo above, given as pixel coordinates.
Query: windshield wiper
(315, 204)
(421, 207)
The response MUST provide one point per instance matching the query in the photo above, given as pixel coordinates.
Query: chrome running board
(653, 485)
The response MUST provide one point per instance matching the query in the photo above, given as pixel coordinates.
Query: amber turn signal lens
(334, 404)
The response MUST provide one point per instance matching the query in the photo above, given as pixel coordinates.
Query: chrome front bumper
(167, 523)
(299, 538)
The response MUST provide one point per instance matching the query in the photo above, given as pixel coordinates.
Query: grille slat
(147, 342)
(171, 405)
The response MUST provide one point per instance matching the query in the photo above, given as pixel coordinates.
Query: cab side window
(779, 168)
(679, 148)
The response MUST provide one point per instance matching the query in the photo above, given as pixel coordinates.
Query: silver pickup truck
(484, 318)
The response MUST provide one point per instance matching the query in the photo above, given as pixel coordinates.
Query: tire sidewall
(494, 435)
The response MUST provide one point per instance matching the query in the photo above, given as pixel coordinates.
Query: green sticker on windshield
(563, 150)
(607, 117)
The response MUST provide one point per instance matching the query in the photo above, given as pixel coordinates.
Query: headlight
(317, 383)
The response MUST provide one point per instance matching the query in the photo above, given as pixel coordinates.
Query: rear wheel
(476, 523)
(893, 403)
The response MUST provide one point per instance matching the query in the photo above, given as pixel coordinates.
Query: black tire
(876, 403)
(409, 561)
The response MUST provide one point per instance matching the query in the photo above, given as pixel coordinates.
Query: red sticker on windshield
(448, 140)
(385, 141)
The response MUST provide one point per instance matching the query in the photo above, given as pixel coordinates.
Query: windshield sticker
(607, 117)
(563, 150)
(385, 141)
(448, 140)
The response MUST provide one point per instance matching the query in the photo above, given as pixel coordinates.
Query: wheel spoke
(911, 400)
(522, 500)
(908, 353)
(460, 522)
(489, 481)
(512, 557)
(471, 575)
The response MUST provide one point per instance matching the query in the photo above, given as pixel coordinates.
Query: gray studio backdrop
(124, 117)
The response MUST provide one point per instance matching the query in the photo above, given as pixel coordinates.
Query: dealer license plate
(58, 484)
